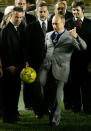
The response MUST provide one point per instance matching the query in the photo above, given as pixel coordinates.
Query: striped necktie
(44, 27)
(55, 40)
(79, 23)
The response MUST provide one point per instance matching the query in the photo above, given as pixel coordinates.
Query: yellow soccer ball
(28, 75)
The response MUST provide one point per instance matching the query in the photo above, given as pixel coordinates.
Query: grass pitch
(69, 122)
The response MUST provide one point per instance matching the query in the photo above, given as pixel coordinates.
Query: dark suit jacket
(80, 61)
(35, 48)
(29, 18)
(11, 47)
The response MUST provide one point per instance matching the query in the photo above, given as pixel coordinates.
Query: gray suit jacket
(59, 56)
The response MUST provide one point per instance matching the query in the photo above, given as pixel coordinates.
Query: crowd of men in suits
(50, 44)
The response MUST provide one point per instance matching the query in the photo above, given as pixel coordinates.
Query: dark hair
(30, 1)
(17, 8)
(78, 3)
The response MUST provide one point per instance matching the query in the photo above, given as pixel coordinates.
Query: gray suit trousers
(54, 93)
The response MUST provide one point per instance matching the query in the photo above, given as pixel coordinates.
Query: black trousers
(86, 93)
(11, 91)
(27, 95)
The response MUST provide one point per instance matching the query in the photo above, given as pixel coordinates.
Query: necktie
(79, 23)
(55, 40)
(44, 27)
(18, 32)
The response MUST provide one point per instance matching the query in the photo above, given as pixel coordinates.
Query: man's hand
(73, 32)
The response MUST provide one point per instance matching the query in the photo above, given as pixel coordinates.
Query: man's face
(42, 13)
(16, 18)
(21, 3)
(58, 24)
(78, 12)
(60, 9)
(74, 12)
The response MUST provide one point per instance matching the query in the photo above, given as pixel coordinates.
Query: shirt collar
(82, 19)
(60, 32)
(77, 18)
(40, 21)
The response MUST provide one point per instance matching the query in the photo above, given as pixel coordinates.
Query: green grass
(28, 122)
(69, 122)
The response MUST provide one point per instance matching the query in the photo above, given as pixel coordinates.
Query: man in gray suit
(56, 66)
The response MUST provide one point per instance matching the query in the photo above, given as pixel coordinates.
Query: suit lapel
(13, 29)
(39, 28)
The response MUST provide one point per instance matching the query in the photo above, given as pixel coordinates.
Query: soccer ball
(28, 75)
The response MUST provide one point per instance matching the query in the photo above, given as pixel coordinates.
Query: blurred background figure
(31, 5)
(61, 8)
(30, 13)
(6, 17)
(21, 3)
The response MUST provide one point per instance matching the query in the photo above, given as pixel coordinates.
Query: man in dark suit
(80, 76)
(27, 18)
(56, 66)
(35, 37)
(12, 62)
